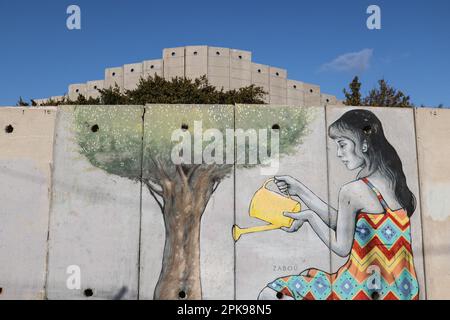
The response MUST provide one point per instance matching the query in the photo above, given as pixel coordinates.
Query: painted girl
(371, 225)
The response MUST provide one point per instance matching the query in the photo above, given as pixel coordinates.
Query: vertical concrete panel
(219, 67)
(265, 256)
(26, 141)
(278, 85)
(174, 62)
(216, 243)
(132, 75)
(153, 67)
(295, 94)
(76, 89)
(260, 78)
(327, 99)
(311, 94)
(113, 77)
(196, 61)
(92, 88)
(433, 130)
(398, 126)
(240, 68)
(95, 213)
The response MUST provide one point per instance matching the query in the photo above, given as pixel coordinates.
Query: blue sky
(321, 42)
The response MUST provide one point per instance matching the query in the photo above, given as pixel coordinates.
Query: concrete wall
(433, 130)
(112, 228)
(263, 257)
(26, 143)
(217, 246)
(398, 127)
(94, 217)
(224, 68)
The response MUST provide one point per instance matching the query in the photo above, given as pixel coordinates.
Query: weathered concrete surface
(173, 62)
(223, 67)
(265, 256)
(95, 215)
(26, 143)
(399, 130)
(196, 63)
(433, 132)
(94, 218)
(216, 243)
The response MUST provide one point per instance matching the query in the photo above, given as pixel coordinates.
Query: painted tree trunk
(180, 274)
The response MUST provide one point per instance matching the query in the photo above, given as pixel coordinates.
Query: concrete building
(224, 68)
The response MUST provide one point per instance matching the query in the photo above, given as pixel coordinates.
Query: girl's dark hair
(364, 126)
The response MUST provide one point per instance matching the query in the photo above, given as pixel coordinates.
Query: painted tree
(117, 143)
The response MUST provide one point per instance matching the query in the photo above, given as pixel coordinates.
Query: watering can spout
(238, 232)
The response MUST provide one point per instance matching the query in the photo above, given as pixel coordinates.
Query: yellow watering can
(268, 206)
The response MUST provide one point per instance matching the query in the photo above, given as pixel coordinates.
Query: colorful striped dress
(380, 265)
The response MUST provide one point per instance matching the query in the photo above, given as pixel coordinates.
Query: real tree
(384, 95)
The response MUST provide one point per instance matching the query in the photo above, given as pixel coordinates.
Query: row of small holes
(195, 53)
(87, 292)
(276, 73)
(9, 128)
(310, 90)
(78, 90)
(185, 127)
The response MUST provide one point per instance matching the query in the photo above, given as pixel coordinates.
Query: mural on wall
(182, 190)
(371, 225)
(269, 206)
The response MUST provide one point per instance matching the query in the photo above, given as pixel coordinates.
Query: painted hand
(287, 185)
(299, 219)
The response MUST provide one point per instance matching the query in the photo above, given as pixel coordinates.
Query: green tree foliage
(22, 103)
(353, 98)
(387, 96)
(382, 96)
(175, 91)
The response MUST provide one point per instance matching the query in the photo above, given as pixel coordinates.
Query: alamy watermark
(73, 21)
(212, 146)
(374, 20)
(73, 282)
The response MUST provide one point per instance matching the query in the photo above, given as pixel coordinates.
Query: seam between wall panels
(234, 197)
(419, 185)
(330, 256)
(184, 62)
(229, 69)
(52, 168)
(140, 207)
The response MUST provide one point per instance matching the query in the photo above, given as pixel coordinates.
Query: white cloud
(350, 62)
